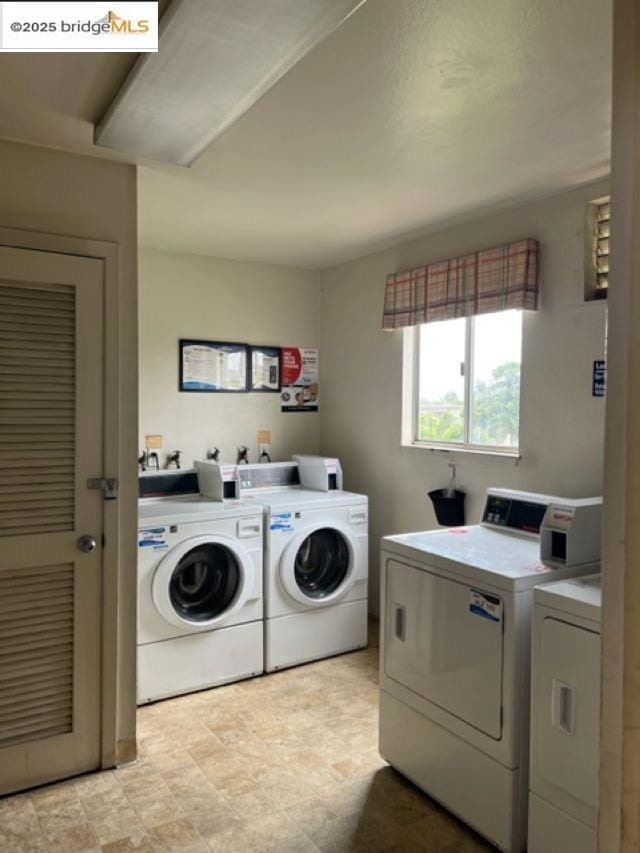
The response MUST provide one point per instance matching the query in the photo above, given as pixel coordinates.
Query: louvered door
(51, 389)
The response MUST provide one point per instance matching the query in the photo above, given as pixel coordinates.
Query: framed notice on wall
(264, 365)
(300, 384)
(213, 366)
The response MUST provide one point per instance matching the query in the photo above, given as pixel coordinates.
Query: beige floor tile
(214, 818)
(114, 824)
(240, 840)
(22, 843)
(177, 834)
(47, 798)
(294, 844)
(358, 766)
(136, 843)
(336, 834)
(113, 800)
(64, 816)
(153, 809)
(18, 814)
(97, 783)
(78, 838)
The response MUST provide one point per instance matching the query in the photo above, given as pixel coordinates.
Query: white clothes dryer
(565, 716)
(199, 588)
(454, 657)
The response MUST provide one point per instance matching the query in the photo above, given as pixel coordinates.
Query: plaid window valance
(491, 280)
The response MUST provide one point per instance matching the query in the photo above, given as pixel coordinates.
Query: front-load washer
(199, 588)
(315, 556)
(565, 716)
(454, 658)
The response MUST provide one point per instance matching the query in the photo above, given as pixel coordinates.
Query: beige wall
(193, 296)
(60, 193)
(561, 423)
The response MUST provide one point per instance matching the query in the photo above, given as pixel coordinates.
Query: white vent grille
(36, 653)
(37, 407)
(598, 232)
(603, 218)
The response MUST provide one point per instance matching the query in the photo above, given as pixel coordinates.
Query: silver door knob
(87, 544)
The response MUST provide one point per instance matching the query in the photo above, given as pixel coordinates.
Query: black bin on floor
(449, 510)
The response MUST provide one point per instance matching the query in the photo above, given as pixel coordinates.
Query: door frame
(118, 591)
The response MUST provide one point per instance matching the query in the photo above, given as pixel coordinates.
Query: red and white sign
(300, 387)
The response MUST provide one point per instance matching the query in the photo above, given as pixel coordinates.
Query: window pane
(441, 385)
(495, 401)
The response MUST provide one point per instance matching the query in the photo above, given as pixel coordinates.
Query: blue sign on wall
(599, 382)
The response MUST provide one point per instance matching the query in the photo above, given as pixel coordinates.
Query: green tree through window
(495, 412)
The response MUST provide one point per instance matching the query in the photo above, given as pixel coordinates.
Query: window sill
(506, 453)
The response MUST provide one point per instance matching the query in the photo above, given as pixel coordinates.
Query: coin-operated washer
(315, 554)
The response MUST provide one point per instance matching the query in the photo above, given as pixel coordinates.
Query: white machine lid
(482, 554)
(580, 597)
(191, 508)
(299, 498)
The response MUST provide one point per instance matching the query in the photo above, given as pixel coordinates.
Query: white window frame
(411, 400)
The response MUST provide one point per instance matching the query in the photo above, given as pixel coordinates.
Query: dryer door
(567, 710)
(319, 566)
(443, 640)
(202, 582)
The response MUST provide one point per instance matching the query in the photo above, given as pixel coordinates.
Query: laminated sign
(300, 388)
(485, 605)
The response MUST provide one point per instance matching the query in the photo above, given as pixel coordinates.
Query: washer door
(202, 582)
(318, 565)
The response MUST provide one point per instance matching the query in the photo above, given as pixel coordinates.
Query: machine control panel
(268, 476)
(517, 514)
(168, 484)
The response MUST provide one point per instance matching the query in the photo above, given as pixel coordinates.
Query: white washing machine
(454, 658)
(565, 717)
(315, 556)
(199, 588)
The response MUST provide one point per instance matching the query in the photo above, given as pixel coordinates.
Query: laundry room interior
(319, 381)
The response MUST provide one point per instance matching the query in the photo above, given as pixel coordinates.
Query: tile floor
(286, 762)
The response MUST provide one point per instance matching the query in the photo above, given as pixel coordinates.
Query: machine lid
(193, 508)
(306, 499)
(580, 597)
(478, 553)
(201, 582)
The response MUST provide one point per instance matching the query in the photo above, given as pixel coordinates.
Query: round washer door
(202, 582)
(318, 566)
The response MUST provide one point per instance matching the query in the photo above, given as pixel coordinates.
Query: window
(466, 389)
(597, 249)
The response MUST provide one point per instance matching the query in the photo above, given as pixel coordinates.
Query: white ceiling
(412, 114)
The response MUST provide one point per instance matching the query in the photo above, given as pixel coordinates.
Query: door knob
(87, 544)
